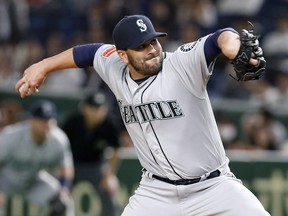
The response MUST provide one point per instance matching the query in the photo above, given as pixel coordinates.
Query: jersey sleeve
(189, 62)
(211, 48)
(8, 141)
(109, 66)
(84, 54)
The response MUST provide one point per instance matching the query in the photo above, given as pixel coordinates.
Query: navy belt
(213, 174)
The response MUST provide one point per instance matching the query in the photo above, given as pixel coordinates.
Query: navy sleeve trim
(84, 54)
(211, 48)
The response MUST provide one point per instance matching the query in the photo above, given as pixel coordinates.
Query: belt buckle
(188, 181)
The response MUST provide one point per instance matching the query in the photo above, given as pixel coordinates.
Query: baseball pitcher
(165, 107)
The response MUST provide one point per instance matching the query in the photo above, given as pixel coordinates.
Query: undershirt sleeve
(84, 54)
(211, 48)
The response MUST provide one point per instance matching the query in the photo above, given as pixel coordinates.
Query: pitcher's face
(145, 60)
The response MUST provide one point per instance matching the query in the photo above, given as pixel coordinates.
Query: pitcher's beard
(147, 69)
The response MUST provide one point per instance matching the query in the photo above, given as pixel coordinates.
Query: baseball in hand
(28, 91)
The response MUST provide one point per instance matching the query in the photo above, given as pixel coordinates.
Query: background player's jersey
(168, 116)
(21, 159)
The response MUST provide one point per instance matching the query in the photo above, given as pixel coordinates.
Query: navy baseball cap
(133, 31)
(43, 109)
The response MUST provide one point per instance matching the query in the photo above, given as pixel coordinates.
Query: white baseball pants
(221, 196)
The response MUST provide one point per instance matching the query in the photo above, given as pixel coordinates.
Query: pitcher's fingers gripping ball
(25, 90)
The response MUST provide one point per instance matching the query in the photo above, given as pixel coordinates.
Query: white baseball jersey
(168, 116)
(21, 160)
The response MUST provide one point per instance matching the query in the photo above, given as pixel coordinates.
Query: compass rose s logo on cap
(142, 25)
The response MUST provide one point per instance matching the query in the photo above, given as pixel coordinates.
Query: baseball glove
(249, 44)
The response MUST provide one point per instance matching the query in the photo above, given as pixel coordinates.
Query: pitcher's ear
(122, 54)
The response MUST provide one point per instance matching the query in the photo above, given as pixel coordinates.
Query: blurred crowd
(33, 29)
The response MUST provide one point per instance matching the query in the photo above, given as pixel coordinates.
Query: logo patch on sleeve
(108, 52)
(187, 47)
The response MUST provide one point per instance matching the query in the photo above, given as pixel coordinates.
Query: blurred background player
(91, 134)
(36, 161)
